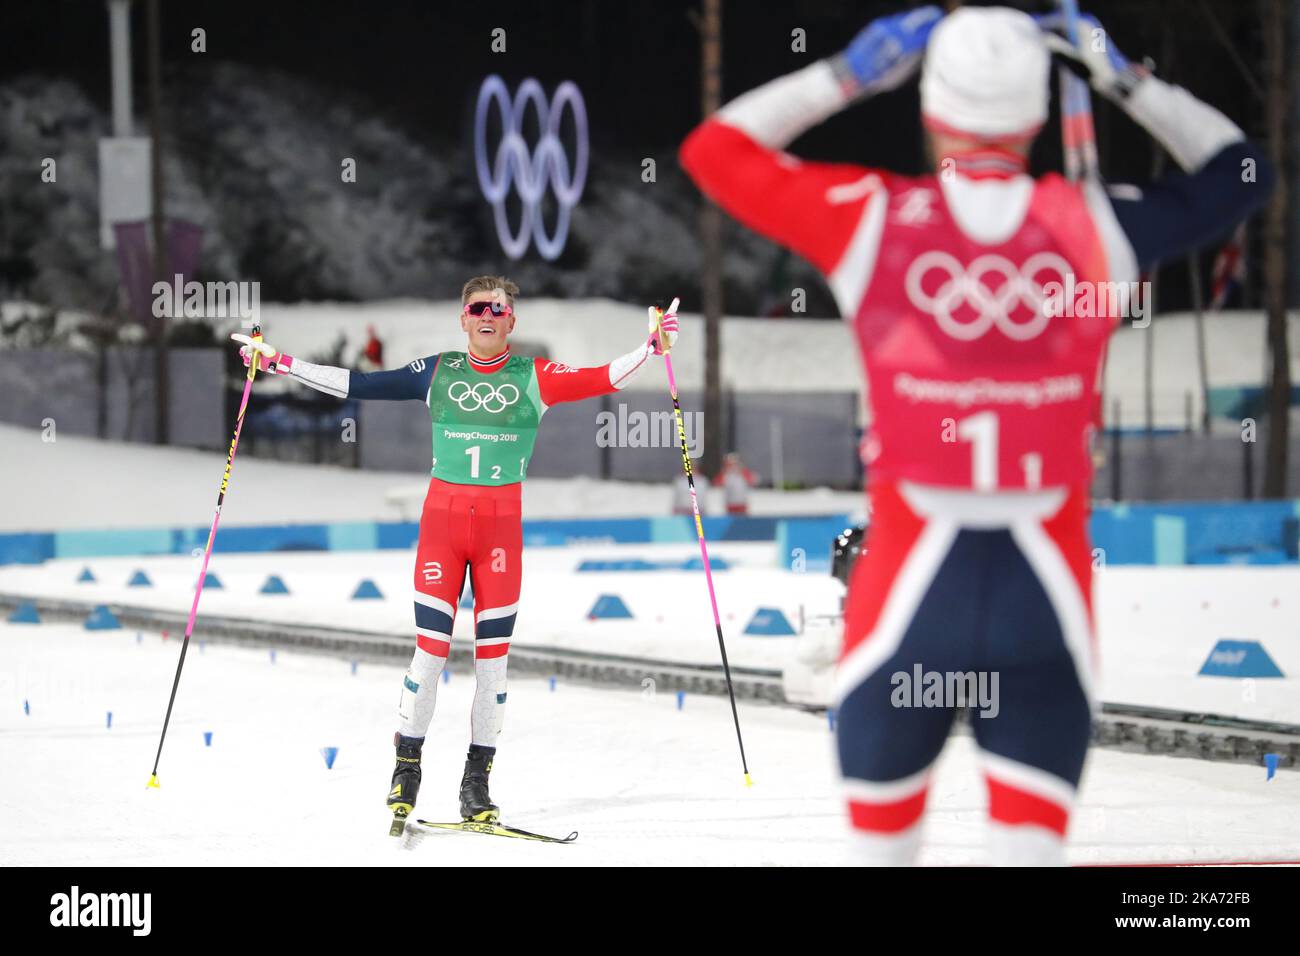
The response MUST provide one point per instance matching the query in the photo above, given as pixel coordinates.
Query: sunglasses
(482, 308)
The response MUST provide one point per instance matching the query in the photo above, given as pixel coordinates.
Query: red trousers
(469, 530)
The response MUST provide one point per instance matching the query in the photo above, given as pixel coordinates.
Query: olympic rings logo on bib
(484, 395)
(1020, 290)
(531, 173)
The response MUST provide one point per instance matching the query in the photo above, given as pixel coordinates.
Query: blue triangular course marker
(101, 619)
(207, 738)
(25, 613)
(139, 580)
(85, 577)
(329, 753)
(1270, 761)
(1239, 659)
(274, 585)
(212, 583)
(366, 590)
(619, 564)
(769, 622)
(608, 605)
(716, 563)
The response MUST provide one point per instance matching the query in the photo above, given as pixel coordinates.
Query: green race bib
(484, 425)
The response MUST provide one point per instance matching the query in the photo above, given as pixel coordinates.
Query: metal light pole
(161, 378)
(119, 48)
(1280, 80)
(711, 242)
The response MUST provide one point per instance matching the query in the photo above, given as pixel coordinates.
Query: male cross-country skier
(983, 385)
(485, 405)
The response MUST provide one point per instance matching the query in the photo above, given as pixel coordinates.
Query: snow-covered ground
(640, 780)
(85, 483)
(1156, 626)
(672, 618)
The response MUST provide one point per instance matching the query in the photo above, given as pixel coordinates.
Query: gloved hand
(884, 54)
(268, 359)
(1109, 72)
(663, 328)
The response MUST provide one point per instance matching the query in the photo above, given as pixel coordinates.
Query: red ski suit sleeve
(811, 208)
(557, 382)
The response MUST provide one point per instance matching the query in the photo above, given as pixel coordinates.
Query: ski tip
(749, 781)
(153, 782)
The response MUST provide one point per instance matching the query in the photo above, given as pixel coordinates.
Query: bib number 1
(474, 452)
(981, 430)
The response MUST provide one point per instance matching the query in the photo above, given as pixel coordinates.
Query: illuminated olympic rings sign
(533, 172)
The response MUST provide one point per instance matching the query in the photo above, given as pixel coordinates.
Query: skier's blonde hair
(497, 284)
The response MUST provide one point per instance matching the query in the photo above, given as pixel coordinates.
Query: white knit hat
(986, 74)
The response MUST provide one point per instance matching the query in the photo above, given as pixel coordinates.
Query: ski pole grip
(658, 317)
(254, 342)
(255, 347)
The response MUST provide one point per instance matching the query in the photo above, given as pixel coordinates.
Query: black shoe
(406, 776)
(475, 804)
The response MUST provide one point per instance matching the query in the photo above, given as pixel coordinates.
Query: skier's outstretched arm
(736, 156)
(1223, 177)
(558, 383)
(399, 384)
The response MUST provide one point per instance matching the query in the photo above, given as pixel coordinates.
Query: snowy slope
(641, 781)
(757, 354)
(776, 354)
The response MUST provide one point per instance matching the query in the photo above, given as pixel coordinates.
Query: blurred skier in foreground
(981, 299)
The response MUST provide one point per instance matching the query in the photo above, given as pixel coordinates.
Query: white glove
(663, 328)
(268, 359)
(1109, 71)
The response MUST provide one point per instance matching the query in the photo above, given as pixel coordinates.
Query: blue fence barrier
(35, 547)
(1252, 532)
(1248, 532)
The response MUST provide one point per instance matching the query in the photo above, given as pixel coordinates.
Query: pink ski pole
(657, 315)
(255, 346)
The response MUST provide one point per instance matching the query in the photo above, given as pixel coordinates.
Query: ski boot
(475, 804)
(406, 781)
